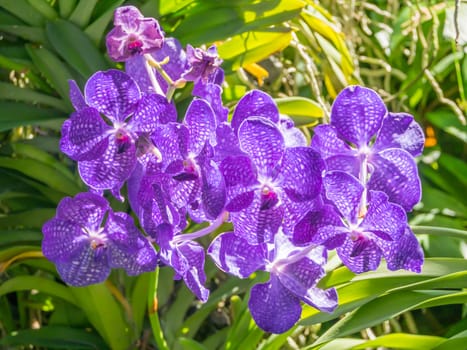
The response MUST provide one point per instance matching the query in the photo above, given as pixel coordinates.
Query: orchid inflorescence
(289, 202)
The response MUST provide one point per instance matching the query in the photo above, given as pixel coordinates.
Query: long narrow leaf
(75, 47)
(23, 10)
(52, 68)
(105, 314)
(15, 93)
(47, 286)
(55, 337)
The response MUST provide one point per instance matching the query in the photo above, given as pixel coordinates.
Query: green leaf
(386, 307)
(403, 341)
(34, 218)
(24, 11)
(44, 8)
(75, 47)
(9, 19)
(8, 253)
(66, 7)
(18, 237)
(231, 286)
(27, 185)
(455, 166)
(365, 287)
(33, 152)
(302, 110)
(153, 307)
(209, 25)
(138, 301)
(190, 344)
(43, 285)
(19, 114)
(434, 200)
(276, 341)
(12, 92)
(328, 30)
(95, 31)
(56, 72)
(105, 314)
(440, 231)
(82, 13)
(446, 120)
(55, 337)
(207, 22)
(164, 7)
(41, 172)
(252, 47)
(455, 342)
(34, 34)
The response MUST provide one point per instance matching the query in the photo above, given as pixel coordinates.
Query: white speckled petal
(301, 173)
(345, 192)
(273, 307)
(396, 174)
(357, 114)
(263, 142)
(90, 267)
(234, 255)
(255, 103)
(111, 169)
(400, 130)
(113, 93)
(201, 122)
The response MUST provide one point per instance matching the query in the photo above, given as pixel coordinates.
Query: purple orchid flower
(257, 103)
(175, 65)
(204, 65)
(294, 273)
(107, 154)
(185, 256)
(363, 228)
(265, 180)
(364, 139)
(133, 34)
(84, 248)
(187, 156)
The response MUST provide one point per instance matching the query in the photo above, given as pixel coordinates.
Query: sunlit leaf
(252, 47)
(302, 110)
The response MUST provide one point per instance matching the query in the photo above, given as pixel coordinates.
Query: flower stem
(363, 177)
(153, 308)
(295, 257)
(151, 62)
(204, 231)
(152, 77)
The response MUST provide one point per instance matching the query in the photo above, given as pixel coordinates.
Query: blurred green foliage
(301, 52)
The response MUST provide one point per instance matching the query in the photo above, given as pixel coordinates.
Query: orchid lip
(97, 239)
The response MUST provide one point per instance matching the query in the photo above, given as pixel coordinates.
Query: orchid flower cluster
(289, 202)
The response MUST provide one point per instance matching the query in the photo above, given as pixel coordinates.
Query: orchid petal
(357, 114)
(263, 142)
(301, 173)
(396, 174)
(345, 192)
(234, 255)
(273, 307)
(113, 93)
(255, 103)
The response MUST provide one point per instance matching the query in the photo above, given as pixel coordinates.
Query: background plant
(288, 48)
